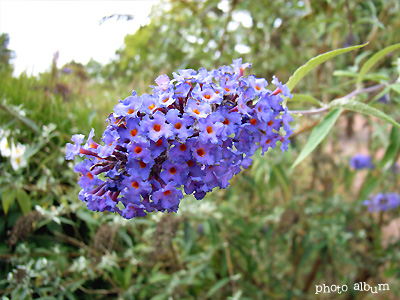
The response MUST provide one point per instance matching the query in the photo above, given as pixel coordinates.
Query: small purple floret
(361, 161)
(382, 202)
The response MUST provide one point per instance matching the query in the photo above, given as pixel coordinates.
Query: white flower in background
(47, 129)
(18, 159)
(5, 149)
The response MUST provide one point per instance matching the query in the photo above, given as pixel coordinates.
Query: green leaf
(162, 296)
(345, 73)
(393, 148)
(279, 173)
(30, 123)
(127, 276)
(348, 178)
(304, 98)
(369, 185)
(362, 108)
(86, 217)
(377, 77)
(8, 199)
(188, 237)
(318, 134)
(23, 119)
(361, 57)
(237, 295)
(395, 87)
(372, 76)
(23, 200)
(316, 61)
(158, 277)
(217, 286)
(373, 60)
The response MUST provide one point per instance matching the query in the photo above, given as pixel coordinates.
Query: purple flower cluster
(193, 133)
(382, 202)
(361, 161)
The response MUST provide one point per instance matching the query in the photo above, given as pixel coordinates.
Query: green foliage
(305, 98)
(373, 60)
(7, 199)
(23, 201)
(315, 62)
(363, 109)
(5, 55)
(318, 134)
(393, 148)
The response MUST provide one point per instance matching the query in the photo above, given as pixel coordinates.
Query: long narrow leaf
(393, 148)
(316, 61)
(304, 98)
(217, 286)
(362, 108)
(395, 87)
(373, 60)
(318, 134)
(8, 199)
(280, 174)
(24, 201)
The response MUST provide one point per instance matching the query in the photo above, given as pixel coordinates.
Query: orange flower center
(166, 193)
(178, 125)
(130, 111)
(172, 170)
(253, 121)
(159, 143)
(270, 123)
(142, 164)
(190, 163)
(207, 97)
(268, 141)
(200, 152)
(227, 89)
(151, 106)
(135, 185)
(209, 129)
(138, 150)
(182, 147)
(226, 121)
(133, 132)
(196, 111)
(89, 175)
(258, 88)
(157, 127)
(166, 99)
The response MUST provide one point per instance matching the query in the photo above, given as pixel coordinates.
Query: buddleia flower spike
(191, 134)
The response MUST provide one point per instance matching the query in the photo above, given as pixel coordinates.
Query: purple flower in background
(382, 202)
(395, 168)
(384, 99)
(66, 70)
(361, 161)
(192, 133)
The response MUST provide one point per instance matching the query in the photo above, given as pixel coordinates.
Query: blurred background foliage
(275, 232)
